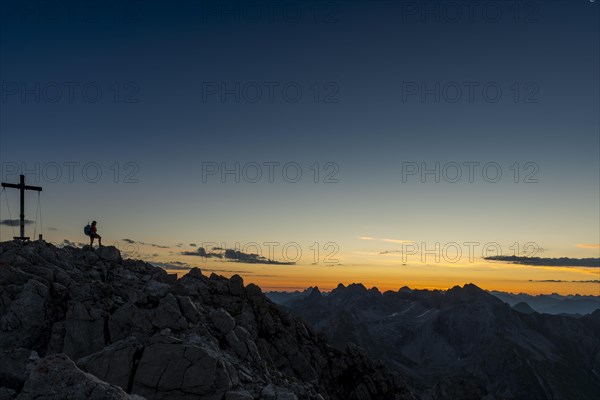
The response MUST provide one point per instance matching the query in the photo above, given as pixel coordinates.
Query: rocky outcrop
(56, 377)
(77, 323)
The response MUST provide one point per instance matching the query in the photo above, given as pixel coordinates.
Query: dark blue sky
(382, 83)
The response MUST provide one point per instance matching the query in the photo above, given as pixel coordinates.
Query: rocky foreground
(81, 324)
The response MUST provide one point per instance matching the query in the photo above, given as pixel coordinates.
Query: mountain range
(575, 305)
(79, 323)
(463, 343)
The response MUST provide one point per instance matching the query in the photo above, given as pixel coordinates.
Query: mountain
(285, 297)
(81, 324)
(523, 307)
(464, 343)
(553, 303)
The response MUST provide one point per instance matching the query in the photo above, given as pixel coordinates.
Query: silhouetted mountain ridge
(464, 342)
(80, 324)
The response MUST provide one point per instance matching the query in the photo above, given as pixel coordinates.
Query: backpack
(87, 230)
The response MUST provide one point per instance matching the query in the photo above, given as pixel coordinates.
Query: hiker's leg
(91, 240)
(99, 240)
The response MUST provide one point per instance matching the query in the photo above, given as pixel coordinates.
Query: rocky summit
(82, 324)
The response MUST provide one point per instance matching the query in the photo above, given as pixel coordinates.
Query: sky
(385, 142)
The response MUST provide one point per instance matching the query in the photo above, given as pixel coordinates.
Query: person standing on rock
(94, 235)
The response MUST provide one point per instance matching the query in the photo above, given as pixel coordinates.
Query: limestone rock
(222, 321)
(131, 329)
(109, 253)
(56, 378)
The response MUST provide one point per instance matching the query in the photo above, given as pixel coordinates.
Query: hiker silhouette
(94, 235)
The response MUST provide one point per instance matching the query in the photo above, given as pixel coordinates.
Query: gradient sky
(379, 85)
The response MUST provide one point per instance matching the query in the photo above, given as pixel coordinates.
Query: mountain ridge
(464, 342)
(123, 329)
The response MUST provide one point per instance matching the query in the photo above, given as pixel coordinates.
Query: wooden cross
(22, 187)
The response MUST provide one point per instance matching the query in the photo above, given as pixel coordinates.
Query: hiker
(93, 234)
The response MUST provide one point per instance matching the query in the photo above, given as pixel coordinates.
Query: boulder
(109, 253)
(238, 395)
(222, 321)
(236, 285)
(84, 331)
(189, 370)
(56, 378)
(13, 365)
(115, 363)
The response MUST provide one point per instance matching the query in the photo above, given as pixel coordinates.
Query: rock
(132, 329)
(238, 395)
(190, 311)
(157, 289)
(168, 315)
(25, 318)
(7, 394)
(13, 366)
(56, 377)
(109, 253)
(129, 320)
(236, 285)
(84, 331)
(222, 321)
(286, 395)
(115, 363)
(195, 273)
(189, 369)
(268, 393)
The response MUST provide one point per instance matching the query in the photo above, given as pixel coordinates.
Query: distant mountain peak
(469, 293)
(374, 290)
(315, 293)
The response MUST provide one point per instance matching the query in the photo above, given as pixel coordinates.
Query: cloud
(157, 245)
(235, 256)
(131, 241)
(193, 244)
(387, 240)
(51, 228)
(201, 252)
(548, 262)
(15, 222)
(398, 241)
(175, 265)
(589, 245)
